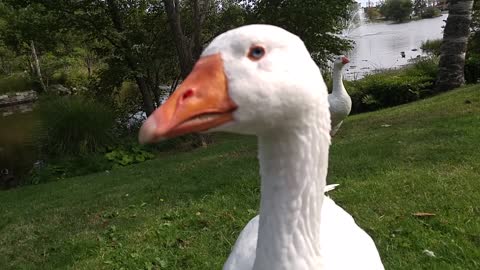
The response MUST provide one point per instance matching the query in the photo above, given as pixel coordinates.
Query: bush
(127, 96)
(50, 63)
(73, 125)
(372, 13)
(397, 10)
(62, 168)
(432, 47)
(73, 75)
(424, 67)
(17, 82)
(386, 90)
(430, 12)
(393, 88)
(124, 156)
(472, 68)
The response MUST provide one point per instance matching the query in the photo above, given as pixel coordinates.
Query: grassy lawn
(185, 210)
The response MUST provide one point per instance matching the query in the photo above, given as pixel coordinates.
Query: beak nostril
(189, 93)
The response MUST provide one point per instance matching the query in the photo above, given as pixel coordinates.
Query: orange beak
(345, 60)
(200, 103)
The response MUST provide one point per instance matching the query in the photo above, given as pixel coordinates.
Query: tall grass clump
(74, 125)
(425, 67)
(17, 82)
(431, 12)
(431, 46)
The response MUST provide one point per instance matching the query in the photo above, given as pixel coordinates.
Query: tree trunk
(203, 139)
(454, 45)
(130, 59)
(148, 106)
(36, 66)
(197, 28)
(187, 55)
(182, 44)
(89, 59)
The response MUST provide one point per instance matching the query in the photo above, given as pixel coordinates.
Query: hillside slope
(185, 210)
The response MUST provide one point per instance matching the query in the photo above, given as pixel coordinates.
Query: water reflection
(17, 149)
(379, 45)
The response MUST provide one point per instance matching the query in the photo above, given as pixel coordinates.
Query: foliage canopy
(120, 40)
(397, 10)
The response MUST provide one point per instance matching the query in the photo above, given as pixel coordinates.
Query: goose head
(253, 80)
(340, 61)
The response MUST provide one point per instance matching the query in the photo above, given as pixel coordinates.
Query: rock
(39, 164)
(18, 98)
(60, 89)
(7, 179)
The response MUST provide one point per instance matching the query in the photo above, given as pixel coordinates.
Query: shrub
(372, 13)
(430, 12)
(397, 10)
(73, 125)
(71, 76)
(424, 67)
(432, 47)
(123, 156)
(472, 68)
(50, 63)
(387, 89)
(57, 169)
(17, 82)
(391, 88)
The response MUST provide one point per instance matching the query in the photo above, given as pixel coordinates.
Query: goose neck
(337, 79)
(293, 168)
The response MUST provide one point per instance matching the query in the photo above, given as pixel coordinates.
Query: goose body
(339, 100)
(344, 245)
(248, 81)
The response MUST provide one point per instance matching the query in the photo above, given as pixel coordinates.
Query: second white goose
(339, 100)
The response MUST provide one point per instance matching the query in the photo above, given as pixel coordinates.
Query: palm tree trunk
(454, 45)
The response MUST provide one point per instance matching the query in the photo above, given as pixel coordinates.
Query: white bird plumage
(273, 82)
(339, 100)
(344, 245)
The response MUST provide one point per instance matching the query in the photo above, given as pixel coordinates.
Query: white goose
(261, 80)
(339, 100)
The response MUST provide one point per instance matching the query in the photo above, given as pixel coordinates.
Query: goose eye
(256, 53)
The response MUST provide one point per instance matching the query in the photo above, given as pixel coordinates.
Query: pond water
(379, 45)
(17, 148)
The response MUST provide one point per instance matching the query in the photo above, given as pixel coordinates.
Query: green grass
(185, 210)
